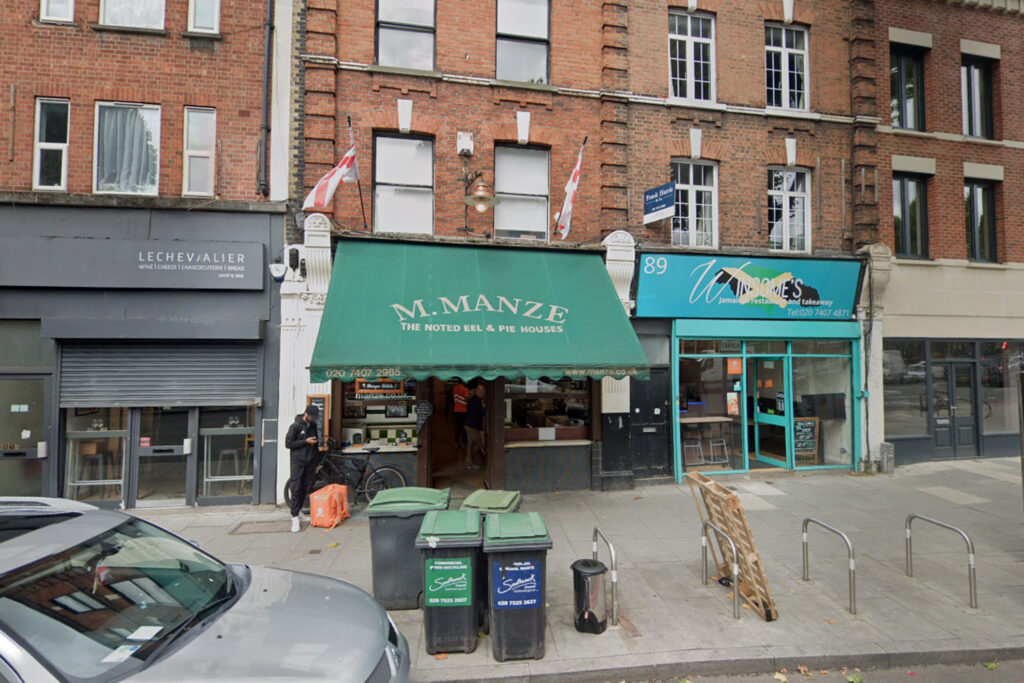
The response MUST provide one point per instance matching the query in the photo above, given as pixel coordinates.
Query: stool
(721, 458)
(693, 445)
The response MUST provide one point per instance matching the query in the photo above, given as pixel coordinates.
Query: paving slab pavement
(685, 628)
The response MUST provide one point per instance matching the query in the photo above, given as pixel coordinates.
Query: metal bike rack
(735, 564)
(849, 549)
(972, 579)
(615, 572)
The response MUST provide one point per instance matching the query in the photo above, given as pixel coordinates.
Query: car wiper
(201, 614)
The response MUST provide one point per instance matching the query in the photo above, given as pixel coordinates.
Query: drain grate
(273, 527)
(627, 625)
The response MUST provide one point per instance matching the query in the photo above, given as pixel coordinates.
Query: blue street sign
(659, 203)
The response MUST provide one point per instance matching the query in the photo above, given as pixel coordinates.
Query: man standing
(301, 440)
(475, 412)
(460, 402)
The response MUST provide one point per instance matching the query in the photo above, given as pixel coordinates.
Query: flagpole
(359, 183)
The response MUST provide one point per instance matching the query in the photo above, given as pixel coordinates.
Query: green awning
(397, 309)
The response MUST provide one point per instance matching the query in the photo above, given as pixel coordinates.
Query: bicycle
(352, 470)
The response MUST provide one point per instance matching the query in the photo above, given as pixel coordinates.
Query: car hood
(286, 625)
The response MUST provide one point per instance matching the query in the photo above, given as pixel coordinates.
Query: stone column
(871, 313)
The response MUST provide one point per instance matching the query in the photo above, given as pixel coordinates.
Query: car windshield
(101, 609)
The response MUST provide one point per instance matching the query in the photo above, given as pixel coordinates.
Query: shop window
(50, 161)
(690, 347)
(786, 66)
(96, 440)
(976, 92)
(906, 87)
(696, 204)
(1000, 366)
(522, 41)
(403, 195)
(980, 209)
(379, 412)
(57, 10)
(198, 165)
(21, 429)
(771, 346)
(547, 409)
(127, 155)
(910, 215)
(952, 349)
(204, 16)
(821, 393)
(521, 182)
(816, 347)
(405, 34)
(226, 451)
(709, 412)
(133, 13)
(789, 209)
(691, 56)
(904, 380)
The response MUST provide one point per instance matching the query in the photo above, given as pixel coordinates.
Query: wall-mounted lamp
(480, 196)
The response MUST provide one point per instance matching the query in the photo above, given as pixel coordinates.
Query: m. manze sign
(136, 264)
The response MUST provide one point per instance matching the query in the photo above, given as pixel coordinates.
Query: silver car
(98, 595)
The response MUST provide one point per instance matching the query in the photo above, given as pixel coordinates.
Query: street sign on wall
(659, 202)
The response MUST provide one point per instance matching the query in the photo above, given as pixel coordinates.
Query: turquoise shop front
(765, 360)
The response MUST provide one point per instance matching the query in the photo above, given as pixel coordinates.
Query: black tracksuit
(305, 458)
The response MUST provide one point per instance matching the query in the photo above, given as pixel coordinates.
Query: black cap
(312, 411)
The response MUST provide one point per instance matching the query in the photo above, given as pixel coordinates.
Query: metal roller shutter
(95, 375)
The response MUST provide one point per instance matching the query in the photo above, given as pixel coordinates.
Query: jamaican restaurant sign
(739, 287)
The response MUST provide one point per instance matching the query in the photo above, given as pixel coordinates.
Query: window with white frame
(521, 183)
(522, 41)
(405, 34)
(976, 92)
(696, 217)
(785, 64)
(132, 13)
(403, 193)
(50, 160)
(198, 162)
(789, 209)
(57, 10)
(691, 56)
(204, 16)
(127, 148)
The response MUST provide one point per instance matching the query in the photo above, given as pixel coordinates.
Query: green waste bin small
(395, 518)
(516, 545)
(449, 541)
(487, 501)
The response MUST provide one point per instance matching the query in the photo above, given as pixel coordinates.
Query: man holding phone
(302, 440)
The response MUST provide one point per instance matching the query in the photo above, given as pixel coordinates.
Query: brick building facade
(136, 230)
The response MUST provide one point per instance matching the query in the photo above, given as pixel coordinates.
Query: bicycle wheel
(384, 477)
(321, 478)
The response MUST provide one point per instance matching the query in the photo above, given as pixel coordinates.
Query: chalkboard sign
(805, 436)
(323, 423)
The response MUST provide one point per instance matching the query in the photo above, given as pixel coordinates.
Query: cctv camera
(277, 271)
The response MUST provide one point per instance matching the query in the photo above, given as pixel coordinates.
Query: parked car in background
(98, 595)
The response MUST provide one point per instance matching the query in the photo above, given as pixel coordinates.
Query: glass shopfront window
(1000, 366)
(821, 393)
(547, 409)
(21, 430)
(903, 371)
(96, 439)
(709, 412)
(226, 451)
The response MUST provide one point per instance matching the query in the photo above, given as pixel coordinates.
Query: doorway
(448, 438)
(954, 409)
(768, 400)
(162, 440)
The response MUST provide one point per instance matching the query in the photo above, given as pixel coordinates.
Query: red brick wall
(943, 111)
(616, 47)
(86, 66)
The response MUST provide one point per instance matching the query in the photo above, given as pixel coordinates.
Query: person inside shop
(460, 402)
(302, 440)
(474, 424)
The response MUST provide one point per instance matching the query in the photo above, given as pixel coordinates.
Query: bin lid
(492, 501)
(450, 529)
(588, 567)
(406, 500)
(516, 531)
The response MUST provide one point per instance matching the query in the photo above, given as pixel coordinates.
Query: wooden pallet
(720, 506)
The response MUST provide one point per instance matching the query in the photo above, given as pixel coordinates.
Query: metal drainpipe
(264, 185)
